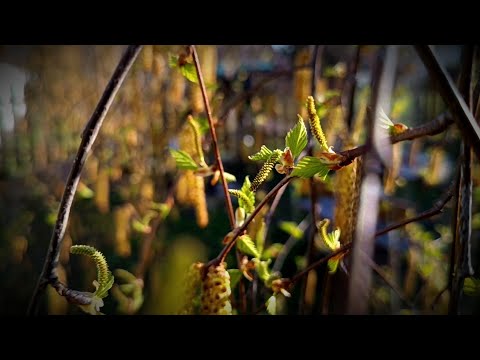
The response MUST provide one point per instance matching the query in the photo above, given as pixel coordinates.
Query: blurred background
(131, 206)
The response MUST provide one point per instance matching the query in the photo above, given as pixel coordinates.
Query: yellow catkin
(200, 202)
(181, 191)
(102, 191)
(393, 172)
(347, 193)
(192, 287)
(187, 141)
(302, 79)
(315, 126)
(265, 170)
(121, 217)
(434, 170)
(216, 291)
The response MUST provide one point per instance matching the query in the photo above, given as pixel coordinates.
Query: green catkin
(265, 170)
(192, 287)
(97, 256)
(239, 194)
(315, 126)
(216, 291)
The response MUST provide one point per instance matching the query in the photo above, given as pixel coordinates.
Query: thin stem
(437, 208)
(218, 159)
(452, 97)
(49, 273)
(434, 127)
(236, 232)
(271, 211)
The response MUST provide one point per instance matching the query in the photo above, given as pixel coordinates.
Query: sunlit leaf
(263, 155)
(291, 228)
(333, 265)
(309, 166)
(272, 305)
(183, 160)
(141, 227)
(235, 276)
(272, 251)
(261, 267)
(296, 138)
(248, 192)
(247, 246)
(188, 70)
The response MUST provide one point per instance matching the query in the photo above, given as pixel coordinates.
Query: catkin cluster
(216, 292)
(192, 287)
(265, 170)
(347, 194)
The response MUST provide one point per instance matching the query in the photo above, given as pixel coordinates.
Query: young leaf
(235, 276)
(261, 267)
(309, 166)
(244, 201)
(291, 228)
(183, 160)
(272, 251)
(296, 138)
(84, 191)
(333, 265)
(203, 125)
(247, 191)
(246, 245)
(262, 155)
(229, 177)
(188, 70)
(272, 305)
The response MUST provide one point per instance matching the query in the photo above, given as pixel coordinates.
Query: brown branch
(437, 208)
(213, 133)
(384, 277)
(434, 127)
(49, 273)
(313, 190)
(452, 97)
(345, 248)
(238, 231)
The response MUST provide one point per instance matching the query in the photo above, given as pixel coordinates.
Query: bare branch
(49, 272)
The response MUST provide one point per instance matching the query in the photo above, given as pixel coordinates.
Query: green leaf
(263, 155)
(261, 267)
(203, 125)
(249, 193)
(235, 276)
(309, 166)
(333, 265)
(188, 70)
(291, 228)
(322, 110)
(244, 201)
(272, 251)
(272, 305)
(471, 286)
(183, 160)
(246, 245)
(162, 208)
(296, 138)
(260, 236)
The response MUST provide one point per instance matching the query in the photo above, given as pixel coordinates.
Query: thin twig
(434, 127)
(49, 273)
(452, 97)
(437, 208)
(271, 211)
(232, 237)
(216, 150)
(319, 262)
(384, 277)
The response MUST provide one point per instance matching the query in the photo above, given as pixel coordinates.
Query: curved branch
(49, 273)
